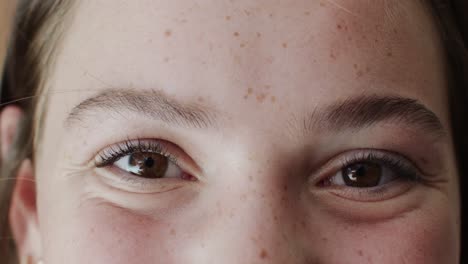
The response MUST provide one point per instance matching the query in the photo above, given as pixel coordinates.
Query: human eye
(370, 175)
(144, 165)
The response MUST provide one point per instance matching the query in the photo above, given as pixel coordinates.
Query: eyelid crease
(361, 155)
(396, 161)
(168, 149)
(114, 152)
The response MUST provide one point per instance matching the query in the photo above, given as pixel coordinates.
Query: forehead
(306, 52)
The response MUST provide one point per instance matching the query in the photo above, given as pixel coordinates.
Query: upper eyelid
(381, 155)
(132, 146)
(171, 150)
(337, 161)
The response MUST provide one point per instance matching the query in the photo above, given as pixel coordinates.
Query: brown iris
(149, 165)
(362, 175)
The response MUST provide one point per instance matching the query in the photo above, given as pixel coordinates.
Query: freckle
(168, 33)
(249, 90)
(350, 38)
(332, 56)
(236, 34)
(273, 99)
(367, 69)
(166, 59)
(355, 66)
(346, 28)
(306, 13)
(246, 96)
(228, 17)
(247, 12)
(322, 4)
(258, 34)
(261, 97)
(92, 230)
(242, 45)
(338, 26)
(250, 178)
(285, 187)
(285, 45)
(173, 232)
(324, 239)
(389, 54)
(270, 59)
(263, 254)
(376, 41)
(360, 253)
(270, 15)
(395, 31)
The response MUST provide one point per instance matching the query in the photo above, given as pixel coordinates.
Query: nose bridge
(252, 217)
(251, 231)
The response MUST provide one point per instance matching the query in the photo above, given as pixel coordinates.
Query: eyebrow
(152, 103)
(356, 112)
(365, 111)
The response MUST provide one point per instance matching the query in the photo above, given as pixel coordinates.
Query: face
(221, 131)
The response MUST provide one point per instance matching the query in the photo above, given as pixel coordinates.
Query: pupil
(362, 175)
(361, 171)
(149, 162)
(149, 165)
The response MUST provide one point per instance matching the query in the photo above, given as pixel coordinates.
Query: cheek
(103, 233)
(421, 237)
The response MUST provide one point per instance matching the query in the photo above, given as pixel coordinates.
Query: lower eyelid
(112, 177)
(373, 194)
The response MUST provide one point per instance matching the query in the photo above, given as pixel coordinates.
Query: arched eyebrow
(354, 113)
(152, 103)
(364, 111)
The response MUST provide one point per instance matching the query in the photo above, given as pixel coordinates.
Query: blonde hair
(38, 29)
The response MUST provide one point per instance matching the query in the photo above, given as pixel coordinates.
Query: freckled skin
(254, 202)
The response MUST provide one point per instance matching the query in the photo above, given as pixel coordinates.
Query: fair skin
(267, 182)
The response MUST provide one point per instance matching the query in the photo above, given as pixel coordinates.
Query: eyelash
(397, 163)
(110, 155)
